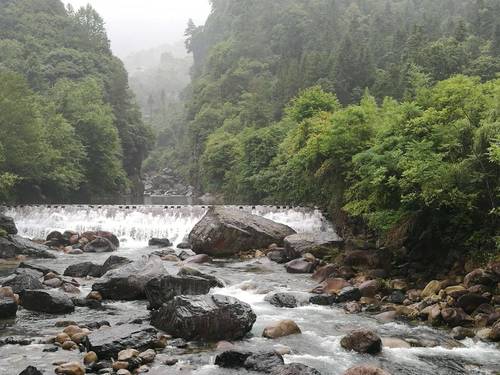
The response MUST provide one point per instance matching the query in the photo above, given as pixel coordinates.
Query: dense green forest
(385, 109)
(70, 129)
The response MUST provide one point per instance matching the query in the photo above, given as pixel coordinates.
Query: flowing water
(249, 281)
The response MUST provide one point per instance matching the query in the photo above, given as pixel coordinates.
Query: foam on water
(137, 224)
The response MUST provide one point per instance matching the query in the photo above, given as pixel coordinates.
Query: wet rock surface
(225, 232)
(108, 342)
(13, 245)
(209, 318)
(48, 301)
(316, 243)
(162, 290)
(128, 282)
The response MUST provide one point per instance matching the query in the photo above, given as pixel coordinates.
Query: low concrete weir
(138, 223)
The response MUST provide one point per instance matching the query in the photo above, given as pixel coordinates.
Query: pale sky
(135, 25)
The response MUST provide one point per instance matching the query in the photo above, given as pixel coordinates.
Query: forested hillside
(387, 109)
(70, 129)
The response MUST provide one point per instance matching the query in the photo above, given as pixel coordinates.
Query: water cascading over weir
(135, 225)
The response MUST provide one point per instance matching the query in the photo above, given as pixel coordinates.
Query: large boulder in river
(163, 289)
(210, 318)
(318, 243)
(12, 245)
(48, 301)
(225, 232)
(107, 343)
(7, 224)
(128, 282)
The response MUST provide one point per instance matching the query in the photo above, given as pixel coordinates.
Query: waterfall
(135, 225)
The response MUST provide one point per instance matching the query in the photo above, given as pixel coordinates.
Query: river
(249, 281)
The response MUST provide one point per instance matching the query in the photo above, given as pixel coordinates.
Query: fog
(135, 25)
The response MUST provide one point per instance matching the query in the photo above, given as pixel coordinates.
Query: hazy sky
(135, 25)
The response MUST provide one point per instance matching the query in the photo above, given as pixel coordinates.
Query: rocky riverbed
(252, 313)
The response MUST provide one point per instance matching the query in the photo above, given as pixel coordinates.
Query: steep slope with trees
(79, 119)
(385, 109)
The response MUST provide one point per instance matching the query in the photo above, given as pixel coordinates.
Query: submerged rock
(129, 281)
(108, 342)
(48, 301)
(210, 318)
(362, 341)
(164, 289)
(225, 232)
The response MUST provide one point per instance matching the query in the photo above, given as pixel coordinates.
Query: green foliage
(56, 140)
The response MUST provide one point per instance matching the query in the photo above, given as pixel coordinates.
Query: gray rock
(263, 362)
(301, 243)
(160, 242)
(188, 271)
(23, 281)
(210, 318)
(106, 343)
(99, 245)
(362, 341)
(349, 293)
(299, 266)
(83, 269)
(129, 281)
(8, 308)
(48, 301)
(294, 369)
(164, 289)
(30, 370)
(113, 262)
(37, 267)
(13, 245)
(225, 232)
(282, 300)
(7, 224)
